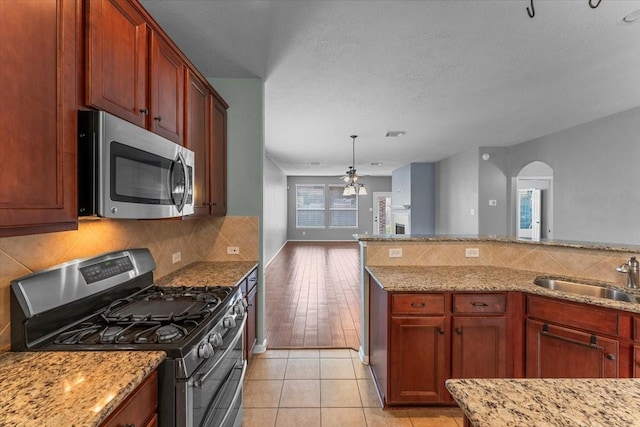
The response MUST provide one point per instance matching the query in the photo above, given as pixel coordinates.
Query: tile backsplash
(553, 260)
(196, 239)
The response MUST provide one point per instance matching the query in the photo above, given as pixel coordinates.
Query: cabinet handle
(592, 340)
(213, 204)
(611, 356)
(479, 304)
(441, 331)
(418, 304)
(144, 111)
(158, 118)
(459, 331)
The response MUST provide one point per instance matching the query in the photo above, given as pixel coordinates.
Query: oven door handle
(238, 335)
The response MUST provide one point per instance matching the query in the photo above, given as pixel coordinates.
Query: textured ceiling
(453, 74)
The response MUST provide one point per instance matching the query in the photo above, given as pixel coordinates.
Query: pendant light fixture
(353, 187)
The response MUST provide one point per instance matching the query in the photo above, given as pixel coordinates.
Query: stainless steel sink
(585, 289)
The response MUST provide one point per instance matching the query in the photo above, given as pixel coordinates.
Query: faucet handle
(633, 264)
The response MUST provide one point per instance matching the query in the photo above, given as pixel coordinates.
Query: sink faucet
(631, 267)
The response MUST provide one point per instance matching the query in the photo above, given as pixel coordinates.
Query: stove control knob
(205, 351)
(238, 309)
(215, 340)
(229, 322)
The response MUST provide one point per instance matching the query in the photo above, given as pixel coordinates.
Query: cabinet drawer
(139, 407)
(583, 316)
(417, 303)
(479, 303)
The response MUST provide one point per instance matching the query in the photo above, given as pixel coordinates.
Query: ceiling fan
(353, 187)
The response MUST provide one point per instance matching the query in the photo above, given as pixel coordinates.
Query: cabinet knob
(158, 118)
(144, 111)
(441, 331)
(611, 356)
(459, 331)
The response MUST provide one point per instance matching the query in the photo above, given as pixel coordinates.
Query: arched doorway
(536, 175)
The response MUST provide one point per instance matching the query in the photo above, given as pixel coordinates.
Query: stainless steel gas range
(110, 303)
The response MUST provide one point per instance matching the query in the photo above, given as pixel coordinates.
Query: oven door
(214, 391)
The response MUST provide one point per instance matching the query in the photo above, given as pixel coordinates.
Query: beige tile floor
(313, 388)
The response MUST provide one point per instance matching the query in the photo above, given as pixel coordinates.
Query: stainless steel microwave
(125, 171)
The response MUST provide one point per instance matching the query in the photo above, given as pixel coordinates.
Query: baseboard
(260, 348)
(276, 254)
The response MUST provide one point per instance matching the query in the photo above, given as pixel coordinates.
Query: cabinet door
(636, 361)
(38, 118)
(417, 360)
(167, 90)
(198, 138)
(557, 352)
(117, 52)
(219, 160)
(250, 332)
(479, 347)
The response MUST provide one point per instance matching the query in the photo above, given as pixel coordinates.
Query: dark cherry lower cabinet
(418, 340)
(479, 347)
(557, 352)
(249, 291)
(417, 359)
(139, 408)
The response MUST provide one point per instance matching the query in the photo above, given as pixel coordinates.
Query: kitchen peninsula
(466, 307)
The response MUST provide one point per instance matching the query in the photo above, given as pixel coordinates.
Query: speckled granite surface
(617, 247)
(209, 273)
(482, 278)
(68, 388)
(548, 402)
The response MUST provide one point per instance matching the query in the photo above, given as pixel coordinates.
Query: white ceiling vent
(394, 133)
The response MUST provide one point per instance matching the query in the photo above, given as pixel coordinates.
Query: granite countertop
(209, 273)
(69, 388)
(483, 278)
(548, 402)
(616, 247)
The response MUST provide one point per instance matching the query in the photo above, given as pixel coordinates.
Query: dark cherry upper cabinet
(38, 116)
(167, 90)
(132, 72)
(219, 159)
(117, 59)
(206, 135)
(198, 139)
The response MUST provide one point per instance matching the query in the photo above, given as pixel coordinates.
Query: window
(310, 206)
(343, 210)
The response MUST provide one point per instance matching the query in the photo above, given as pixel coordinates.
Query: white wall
(457, 194)
(275, 210)
(596, 178)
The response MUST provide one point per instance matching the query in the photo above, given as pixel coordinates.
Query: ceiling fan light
(362, 191)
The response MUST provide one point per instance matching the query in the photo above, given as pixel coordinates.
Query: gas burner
(110, 334)
(75, 336)
(170, 333)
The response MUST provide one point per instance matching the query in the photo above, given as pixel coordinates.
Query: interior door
(529, 213)
(382, 221)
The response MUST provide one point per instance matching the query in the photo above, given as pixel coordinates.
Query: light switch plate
(177, 257)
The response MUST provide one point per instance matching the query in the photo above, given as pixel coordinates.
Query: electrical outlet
(395, 253)
(233, 250)
(493, 202)
(177, 257)
(472, 252)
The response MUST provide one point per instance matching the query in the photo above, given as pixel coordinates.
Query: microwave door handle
(186, 181)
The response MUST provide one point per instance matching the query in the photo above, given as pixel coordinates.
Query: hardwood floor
(312, 296)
